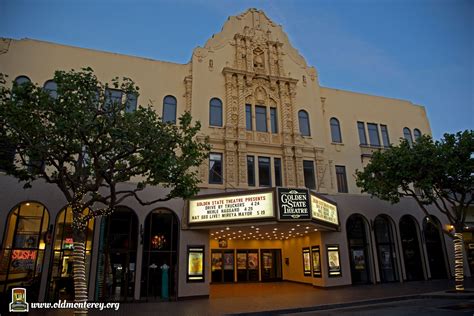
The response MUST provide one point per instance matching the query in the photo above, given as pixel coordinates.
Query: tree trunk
(79, 272)
(458, 242)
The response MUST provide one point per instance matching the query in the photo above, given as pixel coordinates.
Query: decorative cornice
(229, 70)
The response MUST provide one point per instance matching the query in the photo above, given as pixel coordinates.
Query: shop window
(261, 118)
(215, 112)
(160, 256)
(416, 133)
(248, 117)
(274, 120)
(309, 178)
(117, 256)
(22, 253)
(407, 135)
(61, 283)
(303, 120)
(215, 168)
(358, 243)
(264, 172)
(278, 173)
(373, 134)
(385, 138)
(169, 109)
(251, 170)
(362, 135)
(335, 131)
(341, 179)
(52, 88)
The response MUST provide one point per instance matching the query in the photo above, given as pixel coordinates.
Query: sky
(417, 50)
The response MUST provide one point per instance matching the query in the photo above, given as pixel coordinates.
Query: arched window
(61, 283)
(384, 237)
(215, 112)
(169, 109)
(52, 88)
(416, 134)
(303, 120)
(409, 235)
(23, 246)
(335, 130)
(407, 135)
(358, 242)
(160, 247)
(22, 80)
(435, 247)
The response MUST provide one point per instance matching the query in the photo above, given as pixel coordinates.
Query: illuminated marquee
(231, 208)
(324, 211)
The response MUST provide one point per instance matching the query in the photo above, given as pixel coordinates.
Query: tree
(437, 174)
(87, 139)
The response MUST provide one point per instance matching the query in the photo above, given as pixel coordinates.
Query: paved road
(416, 307)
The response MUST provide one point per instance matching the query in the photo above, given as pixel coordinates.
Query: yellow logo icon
(19, 303)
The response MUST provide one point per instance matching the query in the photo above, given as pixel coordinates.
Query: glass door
(247, 265)
(271, 265)
(222, 266)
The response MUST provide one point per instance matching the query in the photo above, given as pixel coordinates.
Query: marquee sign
(294, 204)
(323, 210)
(231, 208)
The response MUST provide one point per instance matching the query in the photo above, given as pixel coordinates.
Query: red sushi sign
(24, 255)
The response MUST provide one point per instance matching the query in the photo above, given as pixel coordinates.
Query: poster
(195, 263)
(316, 261)
(216, 261)
(253, 261)
(359, 259)
(306, 261)
(228, 261)
(333, 260)
(241, 261)
(267, 260)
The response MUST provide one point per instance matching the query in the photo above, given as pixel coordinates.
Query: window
(215, 112)
(335, 131)
(309, 179)
(264, 173)
(248, 117)
(251, 170)
(277, 167)
(385, 138)
(112, 98)
(341, 179)
(362, 136)
(215, 168)
(7, 153)
(52, 88)
(416, 134)
(131, 103)
(273, 120)
(261, 118)
(373, 134)
(169, 109)
(20, 80)
(303, 120)
(407, 135)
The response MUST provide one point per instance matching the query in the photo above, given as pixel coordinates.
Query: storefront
(267, 235)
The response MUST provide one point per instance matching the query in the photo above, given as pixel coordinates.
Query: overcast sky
(417, 50)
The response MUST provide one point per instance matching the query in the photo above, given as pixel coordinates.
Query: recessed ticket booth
(252, 233)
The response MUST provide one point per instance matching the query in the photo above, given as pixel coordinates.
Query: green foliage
(87, 143)
(441, 171)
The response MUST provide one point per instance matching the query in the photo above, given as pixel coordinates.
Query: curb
(435, 295)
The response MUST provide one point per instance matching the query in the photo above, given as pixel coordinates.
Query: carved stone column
(289, 166)
(231, 105)
(242, 156)
(286, 114)
(188, 84)
(299, 166)
(248, 46)
(294, 114)
(241, 106)
(230, 164)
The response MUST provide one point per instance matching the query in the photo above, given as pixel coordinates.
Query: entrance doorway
(160, 256)
(356, 228)
(247, 265)
(434, 248)
(271, 265)
(411, 248)
(385, 249)
(222, 266)
(118, 253)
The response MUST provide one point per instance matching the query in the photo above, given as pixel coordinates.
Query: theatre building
(278, 199)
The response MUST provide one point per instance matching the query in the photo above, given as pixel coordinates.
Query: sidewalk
(267, 298)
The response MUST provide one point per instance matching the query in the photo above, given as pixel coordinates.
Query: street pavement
(288, 298)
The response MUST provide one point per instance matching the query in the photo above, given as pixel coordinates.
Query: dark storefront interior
(356, 228)
(409, 233)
